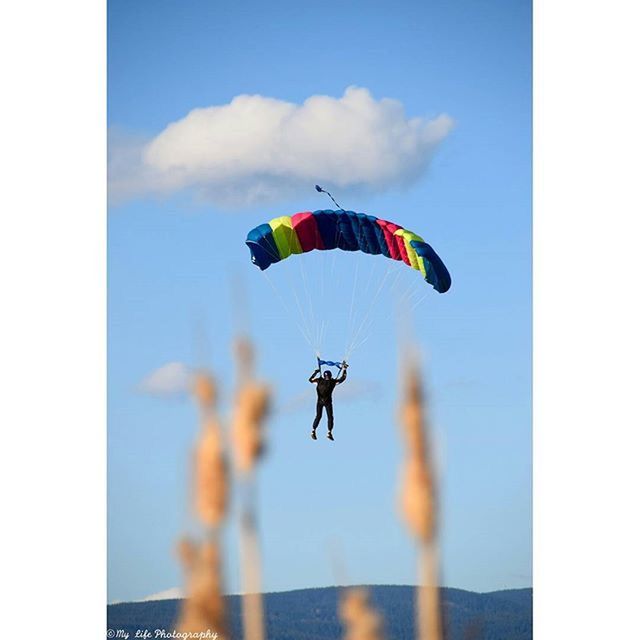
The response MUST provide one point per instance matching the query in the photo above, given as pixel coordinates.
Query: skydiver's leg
(316, 421)
(329, 410)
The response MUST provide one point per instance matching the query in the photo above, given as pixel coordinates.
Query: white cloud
(257, 149)
(171, 379)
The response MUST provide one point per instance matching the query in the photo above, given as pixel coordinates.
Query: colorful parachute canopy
(349, 231)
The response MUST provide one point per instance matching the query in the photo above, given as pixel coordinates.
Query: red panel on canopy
(307, 231)
(395, 243)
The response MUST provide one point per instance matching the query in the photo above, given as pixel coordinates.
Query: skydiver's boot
(330, 435)
(313, 434)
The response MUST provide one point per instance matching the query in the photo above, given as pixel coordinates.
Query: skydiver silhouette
(325, 386)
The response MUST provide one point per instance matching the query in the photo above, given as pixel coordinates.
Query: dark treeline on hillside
(311, 614)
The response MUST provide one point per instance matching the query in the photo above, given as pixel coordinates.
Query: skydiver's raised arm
(313, 378)
(343, 375)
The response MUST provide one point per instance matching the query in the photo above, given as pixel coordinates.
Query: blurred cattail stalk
(418, 501)
(250, 412)
(204, 609)
(211, 480)
(428, 597)
(361, 620)
(252, 606)
(210, 474)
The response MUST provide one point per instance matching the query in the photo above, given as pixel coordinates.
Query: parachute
(326, 229)
(350, 312)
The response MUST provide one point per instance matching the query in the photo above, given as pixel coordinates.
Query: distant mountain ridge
(311, 614)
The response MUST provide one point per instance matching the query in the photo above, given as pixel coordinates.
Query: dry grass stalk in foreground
(252, 605)
(361, 620)
(417, 501)
(203, 609)
(250, 411)
(204, 391)
(211, 478)
(251, 408)
(211, 474)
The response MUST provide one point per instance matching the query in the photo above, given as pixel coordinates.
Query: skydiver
(325, 386)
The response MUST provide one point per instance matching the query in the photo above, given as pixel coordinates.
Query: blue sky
(172, 261)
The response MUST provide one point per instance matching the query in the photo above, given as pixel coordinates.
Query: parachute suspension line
(323, 259)
(403, 300)
(417, 304)
(323, 276)
(309, 324)
(339, 280)
(352, 317)
(304, 328)
(335, 282)
(365, 328)
(303, 315)
(303, 333)
(368, 313)
(309, 316)
(292, 288)
(333, 262)
(314, 323)
(337, 238)
(414, 297)
(386, 281)
(367, 331)
(365, 319)
(354, 288)
(374, 275)
(323, 326)
(351, 322)
(322, 301)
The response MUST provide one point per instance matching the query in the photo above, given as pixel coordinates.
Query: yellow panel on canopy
(285, 236)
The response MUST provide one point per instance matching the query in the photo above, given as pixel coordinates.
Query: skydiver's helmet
(327, 375)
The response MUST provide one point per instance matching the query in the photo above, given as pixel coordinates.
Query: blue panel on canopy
(264, 251)
(437, 274)
(348, 227)
(327, 222)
